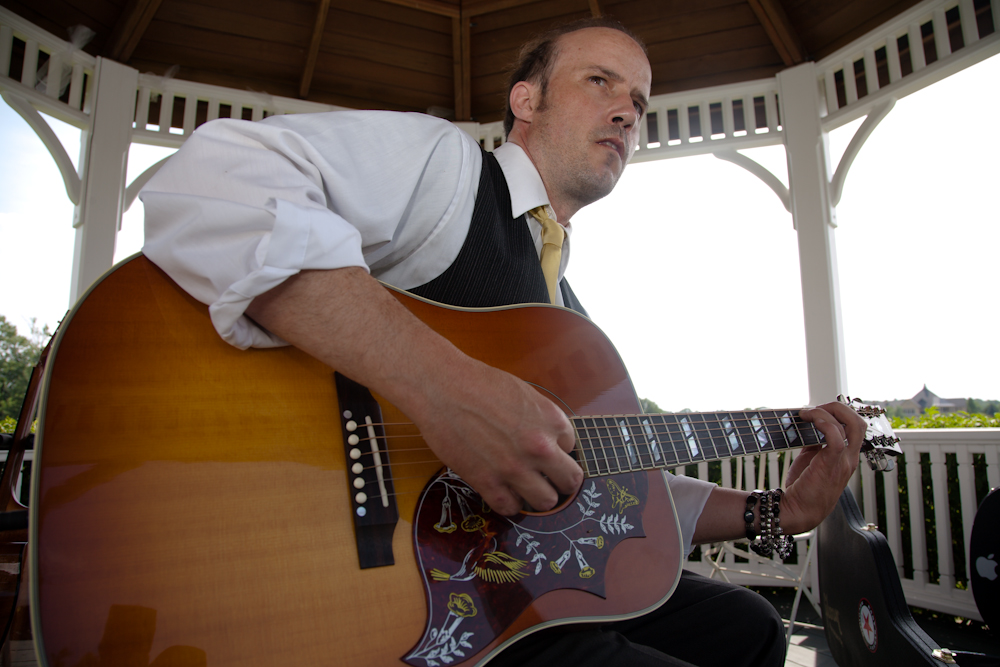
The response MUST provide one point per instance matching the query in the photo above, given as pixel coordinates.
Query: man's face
(587, 126)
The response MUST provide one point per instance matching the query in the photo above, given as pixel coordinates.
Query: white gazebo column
(814, 220)
(103, 161)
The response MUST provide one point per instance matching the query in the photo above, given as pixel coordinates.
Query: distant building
(925, 398)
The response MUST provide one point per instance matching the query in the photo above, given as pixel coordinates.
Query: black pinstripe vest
(498, 264)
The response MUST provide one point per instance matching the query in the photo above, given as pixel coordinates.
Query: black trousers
(705, 622)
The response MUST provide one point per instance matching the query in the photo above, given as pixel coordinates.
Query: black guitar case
(865, 615)
(984, 556)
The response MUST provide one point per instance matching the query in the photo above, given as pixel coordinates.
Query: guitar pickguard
(481, 569)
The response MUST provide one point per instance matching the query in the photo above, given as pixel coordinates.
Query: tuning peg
(878, 461)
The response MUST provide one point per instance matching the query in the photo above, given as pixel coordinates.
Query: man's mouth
(616, 145)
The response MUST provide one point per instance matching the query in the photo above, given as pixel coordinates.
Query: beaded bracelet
(771, 538)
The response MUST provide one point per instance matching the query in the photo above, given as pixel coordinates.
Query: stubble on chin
(594, 184)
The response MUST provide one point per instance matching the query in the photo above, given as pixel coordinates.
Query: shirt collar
(526, 188)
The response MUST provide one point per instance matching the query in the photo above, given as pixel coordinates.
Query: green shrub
(932, 418)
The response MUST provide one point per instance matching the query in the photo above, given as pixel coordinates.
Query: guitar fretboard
(625, 443)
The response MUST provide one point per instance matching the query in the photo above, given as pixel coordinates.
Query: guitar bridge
(373, 501)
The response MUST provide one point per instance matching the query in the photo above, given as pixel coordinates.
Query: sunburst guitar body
(195, 504)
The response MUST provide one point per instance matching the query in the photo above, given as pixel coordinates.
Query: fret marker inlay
(633, 459)
(790, 433)
(689, 437)
(759, 430)
(651, 437)
(730, 429)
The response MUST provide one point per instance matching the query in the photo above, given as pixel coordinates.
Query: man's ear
(524, 98)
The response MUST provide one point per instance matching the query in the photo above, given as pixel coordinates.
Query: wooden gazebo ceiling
(444, 56)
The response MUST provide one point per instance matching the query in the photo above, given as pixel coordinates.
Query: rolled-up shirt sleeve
(242, 206)
(689, 495)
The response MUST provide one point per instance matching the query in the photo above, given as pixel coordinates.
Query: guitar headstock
(880, 441)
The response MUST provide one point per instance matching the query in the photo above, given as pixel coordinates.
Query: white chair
(721, 556)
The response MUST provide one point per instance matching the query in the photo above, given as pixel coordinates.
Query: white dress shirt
(242, 206)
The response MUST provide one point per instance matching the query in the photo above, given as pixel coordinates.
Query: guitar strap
(498, 264)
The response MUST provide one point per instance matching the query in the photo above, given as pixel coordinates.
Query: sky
(691, 265)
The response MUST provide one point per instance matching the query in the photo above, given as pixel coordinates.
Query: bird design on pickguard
(621, 499)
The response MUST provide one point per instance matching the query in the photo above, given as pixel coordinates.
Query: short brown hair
(535, 59)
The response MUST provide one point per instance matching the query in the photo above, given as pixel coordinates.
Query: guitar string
(725, 426)
(722, 418)
(620, 449)
(619, 441)
(437, 464)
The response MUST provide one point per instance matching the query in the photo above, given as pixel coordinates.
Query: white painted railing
(853, 81)
(908, 53)
(858, 78)
(743, 115)
(706, 120)
(747, 474)
(168, 110)
(28, 58)
(974, 458)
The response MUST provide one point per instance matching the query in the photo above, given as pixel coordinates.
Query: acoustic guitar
(194, 504)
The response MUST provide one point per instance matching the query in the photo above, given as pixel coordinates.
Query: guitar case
(984, 555)
(865, 616)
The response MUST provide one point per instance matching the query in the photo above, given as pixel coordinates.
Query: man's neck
(564, 210)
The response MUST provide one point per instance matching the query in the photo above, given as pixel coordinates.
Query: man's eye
(597, 79)
(638, 108)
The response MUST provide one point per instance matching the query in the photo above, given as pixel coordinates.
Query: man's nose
(623, 112)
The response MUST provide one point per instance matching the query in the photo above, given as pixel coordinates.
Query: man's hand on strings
(819, 473)
(510, 443)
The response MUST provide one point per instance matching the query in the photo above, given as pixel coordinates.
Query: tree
(983, 407)
(649, 407)
(18, 354)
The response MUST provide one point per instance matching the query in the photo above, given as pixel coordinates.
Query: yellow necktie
(552, 241)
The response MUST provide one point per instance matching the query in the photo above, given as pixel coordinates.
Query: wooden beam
(322, 9)
(433, 6)
(130, 27)
(461, 34)
(456, 66)
(779, 30)
(595, 9)
(472, 8)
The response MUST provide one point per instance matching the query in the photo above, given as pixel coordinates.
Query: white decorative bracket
(837, 182)
(853, 148)
(71, 179)
(132, 191)
(761, 172)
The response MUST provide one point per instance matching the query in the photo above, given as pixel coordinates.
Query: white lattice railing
(920, 46)
(706, 120)
(742, 115)
(917, 520)
(28, 55)
(750, 473)
(168, 110)
(949, 34)
(934, 500)
(852, 81)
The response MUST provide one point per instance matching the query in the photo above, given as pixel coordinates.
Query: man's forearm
(817, 477)
(347, 320)
(722, 517)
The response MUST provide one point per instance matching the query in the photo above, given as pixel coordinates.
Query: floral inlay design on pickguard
(482, 569)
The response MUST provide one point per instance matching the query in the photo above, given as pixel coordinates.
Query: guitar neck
(615, 444)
